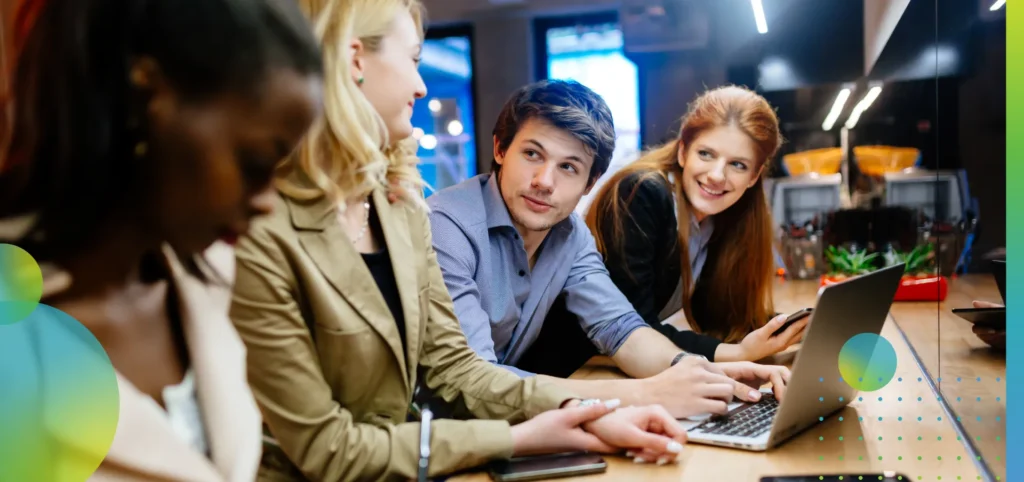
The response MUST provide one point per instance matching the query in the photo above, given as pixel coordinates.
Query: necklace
(366, 221)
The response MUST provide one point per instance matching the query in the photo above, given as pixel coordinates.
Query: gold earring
(140, 149)
(137, 77)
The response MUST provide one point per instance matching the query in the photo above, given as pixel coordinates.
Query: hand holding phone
(767, 340)
(793, 318)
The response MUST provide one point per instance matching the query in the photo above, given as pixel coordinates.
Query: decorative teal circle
(60, 402)
(21, 284)
(867, 362)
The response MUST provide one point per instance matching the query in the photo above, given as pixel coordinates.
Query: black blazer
(647, 269)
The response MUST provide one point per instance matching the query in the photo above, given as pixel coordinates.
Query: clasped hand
(649, 432)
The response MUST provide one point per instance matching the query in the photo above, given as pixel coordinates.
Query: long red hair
(741, 272)
(24, 17)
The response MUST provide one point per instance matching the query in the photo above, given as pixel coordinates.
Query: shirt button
(522, 273)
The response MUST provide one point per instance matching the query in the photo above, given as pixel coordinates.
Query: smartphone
(987, 317)
(887, 476)
(547, 467)
(793, 318)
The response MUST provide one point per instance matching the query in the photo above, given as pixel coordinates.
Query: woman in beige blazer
(343, 310)
(142, 135)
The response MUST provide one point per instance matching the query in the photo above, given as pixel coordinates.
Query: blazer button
(522, 273)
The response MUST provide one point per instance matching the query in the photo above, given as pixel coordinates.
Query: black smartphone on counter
(546, 467)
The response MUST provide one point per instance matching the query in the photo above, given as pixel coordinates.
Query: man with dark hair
(510, 245)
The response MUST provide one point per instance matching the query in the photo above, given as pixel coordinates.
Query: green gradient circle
(59, 399)
(21, 284)
(867, 362)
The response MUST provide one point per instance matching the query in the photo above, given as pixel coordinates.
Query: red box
(912, 288)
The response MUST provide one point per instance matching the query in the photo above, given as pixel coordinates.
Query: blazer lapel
(395, 225)
(323, 238)
(230, 415)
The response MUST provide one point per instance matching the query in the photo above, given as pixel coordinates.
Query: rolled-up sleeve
(603, 311)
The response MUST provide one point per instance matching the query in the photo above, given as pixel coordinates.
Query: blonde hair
(347, 153)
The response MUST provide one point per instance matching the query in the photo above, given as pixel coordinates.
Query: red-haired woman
(686, 231)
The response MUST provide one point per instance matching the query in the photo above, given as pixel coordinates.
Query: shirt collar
(702, 228)
(494, 205)
(497, 212)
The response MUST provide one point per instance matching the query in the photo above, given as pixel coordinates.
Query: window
(444, 120)
(591, 53)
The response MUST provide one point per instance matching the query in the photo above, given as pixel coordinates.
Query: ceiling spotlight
(417, 133)
(434, 105)
(455, 128)
(428, 142)
(863, 105)
(837, 108)
(996, 6)
(762, 25)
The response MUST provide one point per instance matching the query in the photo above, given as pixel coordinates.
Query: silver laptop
(857, 305)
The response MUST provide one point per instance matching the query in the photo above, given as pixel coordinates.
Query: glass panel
(593, 56)
(969, 192)
(444, 120)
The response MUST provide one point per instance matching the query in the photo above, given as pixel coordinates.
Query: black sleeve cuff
(690, 341)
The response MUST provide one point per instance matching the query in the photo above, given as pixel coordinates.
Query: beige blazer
(144, 446)
(337, 401)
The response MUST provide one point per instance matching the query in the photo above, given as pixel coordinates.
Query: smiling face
(544, 173)
(718, 167)
(392, 81)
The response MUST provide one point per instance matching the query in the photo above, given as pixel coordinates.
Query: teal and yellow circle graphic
(867, 362)
(59, 398)
(21, 284)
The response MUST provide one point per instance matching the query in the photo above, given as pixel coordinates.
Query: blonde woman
(343, 310)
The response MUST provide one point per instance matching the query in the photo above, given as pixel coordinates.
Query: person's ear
(157, 99)
(681, 155)
(499, 156)
(757, 177)
(357, 52)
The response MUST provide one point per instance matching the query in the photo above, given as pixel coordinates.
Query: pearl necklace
(366, 221)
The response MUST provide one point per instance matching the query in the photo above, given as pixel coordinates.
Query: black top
(383, 273)
(647, 269)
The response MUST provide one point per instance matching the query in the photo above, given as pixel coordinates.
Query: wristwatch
(684, 354)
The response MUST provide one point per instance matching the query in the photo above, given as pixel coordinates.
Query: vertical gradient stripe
(1014, 239)
(21, 284)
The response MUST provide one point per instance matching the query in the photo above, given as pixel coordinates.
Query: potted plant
(921, 281)
(844, 263)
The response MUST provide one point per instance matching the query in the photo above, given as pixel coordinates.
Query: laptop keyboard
(745, 421)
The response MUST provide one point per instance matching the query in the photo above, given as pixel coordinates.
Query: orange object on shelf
(821, 161)
(878, 160)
